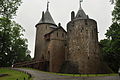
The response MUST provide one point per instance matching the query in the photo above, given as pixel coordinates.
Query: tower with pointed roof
(74, 51)
(45, 25)
(82, 43)
(50, 41)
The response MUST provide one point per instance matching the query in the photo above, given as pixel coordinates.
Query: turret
(50, 41)
(44, 26)
(81, 14)
(47, 18)
(82, 44)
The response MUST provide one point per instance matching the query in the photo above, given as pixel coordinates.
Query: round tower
(45, 25)
(82, 43)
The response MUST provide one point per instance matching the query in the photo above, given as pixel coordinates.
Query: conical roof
(81, 14)
(47, 18)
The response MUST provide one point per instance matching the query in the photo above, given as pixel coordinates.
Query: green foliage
(111, 45)
(28, 58)
(12, 74)
(116, 12)
(13, 47)
(8, 7)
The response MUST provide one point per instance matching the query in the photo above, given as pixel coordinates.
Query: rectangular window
(86, 22)
(57, 34)
(62, 34)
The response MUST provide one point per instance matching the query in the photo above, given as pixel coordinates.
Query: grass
(82, 75)
(12, 74)
(86, 75)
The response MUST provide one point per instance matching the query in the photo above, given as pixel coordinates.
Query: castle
(74, 51)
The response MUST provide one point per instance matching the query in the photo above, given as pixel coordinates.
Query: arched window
(48, 52)
(82, 29)
(70, 30)
(42, 57)
(62, 34)
(57, 34)
(48, 55)
(86, 23)
(88, 57)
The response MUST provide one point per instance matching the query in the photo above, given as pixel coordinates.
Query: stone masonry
(74, 51)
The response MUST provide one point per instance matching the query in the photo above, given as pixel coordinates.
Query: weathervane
(48, 5)
(80, 4)
(112, 1)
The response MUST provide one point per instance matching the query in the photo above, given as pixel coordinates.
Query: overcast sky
(30, 12)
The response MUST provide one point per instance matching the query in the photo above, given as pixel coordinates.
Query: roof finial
(80, 4)
(48, 5)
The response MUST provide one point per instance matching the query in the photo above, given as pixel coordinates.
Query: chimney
(43, 16)
(72, 15)
(59, 24)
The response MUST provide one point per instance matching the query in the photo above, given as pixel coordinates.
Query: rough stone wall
(82, 44)
(41, 44)
(56, 50)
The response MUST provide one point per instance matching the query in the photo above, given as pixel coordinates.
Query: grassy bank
(12, 74)
(86, 75)
(82, 75)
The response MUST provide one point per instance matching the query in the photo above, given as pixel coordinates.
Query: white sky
(30, 12)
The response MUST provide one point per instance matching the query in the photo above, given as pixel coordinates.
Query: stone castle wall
(51, 49)
(41, 44)
(57, 50)
(82, 44)
(76, 51)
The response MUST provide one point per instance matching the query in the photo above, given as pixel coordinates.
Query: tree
(8, 8)
(13, 47)
(111, 45)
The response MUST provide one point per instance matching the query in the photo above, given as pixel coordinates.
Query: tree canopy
(13, 46)
(111, 45)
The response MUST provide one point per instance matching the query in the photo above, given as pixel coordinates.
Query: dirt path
(37, 75)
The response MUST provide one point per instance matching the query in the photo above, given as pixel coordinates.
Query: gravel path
(37, 75)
